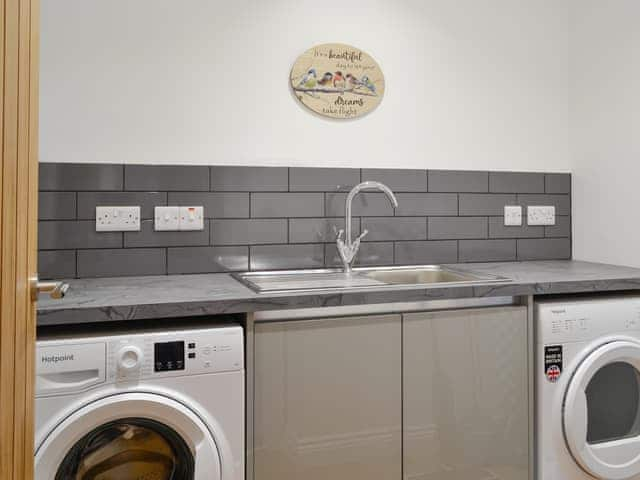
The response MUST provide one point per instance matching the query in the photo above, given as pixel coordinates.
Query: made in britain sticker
(553, 362)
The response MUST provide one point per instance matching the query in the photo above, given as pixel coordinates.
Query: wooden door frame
(19, 43)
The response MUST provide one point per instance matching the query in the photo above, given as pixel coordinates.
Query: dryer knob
(129, 358)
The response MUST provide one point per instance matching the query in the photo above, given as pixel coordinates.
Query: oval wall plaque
(337, 81)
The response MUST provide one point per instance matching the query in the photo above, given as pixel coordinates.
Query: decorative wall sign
(338, 81)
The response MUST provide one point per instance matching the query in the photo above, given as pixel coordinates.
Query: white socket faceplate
(166, 219)
(117, 219)
(513, 215)
(541, 215)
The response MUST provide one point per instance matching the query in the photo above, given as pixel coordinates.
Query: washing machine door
(129, 436)
(601, 412)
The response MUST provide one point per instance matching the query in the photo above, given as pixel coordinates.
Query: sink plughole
(334, 278)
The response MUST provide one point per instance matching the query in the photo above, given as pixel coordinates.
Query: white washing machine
(588, 389)
(151, 405)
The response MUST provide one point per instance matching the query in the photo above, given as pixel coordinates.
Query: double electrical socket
(178, 219)
(117, 219)
(536, 215)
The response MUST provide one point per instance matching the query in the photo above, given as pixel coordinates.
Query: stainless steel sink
(373, 277)
(420, 275)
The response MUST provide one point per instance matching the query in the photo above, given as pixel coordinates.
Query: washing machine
(588, 388)
(146, 405)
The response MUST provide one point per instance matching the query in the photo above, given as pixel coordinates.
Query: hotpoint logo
(65, 357)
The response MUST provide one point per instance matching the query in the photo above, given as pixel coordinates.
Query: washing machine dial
(130, 359)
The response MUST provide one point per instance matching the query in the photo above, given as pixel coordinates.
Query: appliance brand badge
(553, 362)
(64, 357)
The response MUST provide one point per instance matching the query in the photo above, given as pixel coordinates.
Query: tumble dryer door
(129, 436)
(601, 412)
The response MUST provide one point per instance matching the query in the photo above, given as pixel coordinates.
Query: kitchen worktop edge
(169, 296)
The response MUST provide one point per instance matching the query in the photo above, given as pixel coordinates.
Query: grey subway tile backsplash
(276, 205)
(57, 205)
(397, 228)
(427, 204)
(249, 179)
(182, 260)
(263, 218)
(253, 231)
(497, 229)
(265, 257)
(366, 204)
(398, 180)
(544, 249)
(166, 177)
(425, 253)
(450, 228)
(88, 201)
(308, 179)
(57, 263)
(458, 181)
(484, 204)
(314, 230)
(487, 250)
(71, 234)
(148, 237)
(80, 177)
(371, 253)
(122, 262)
(561, 202)
(216, 204)
(562, 228)
(557, 183)
(516, 182)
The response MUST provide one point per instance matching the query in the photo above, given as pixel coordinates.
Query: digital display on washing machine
(168, 356)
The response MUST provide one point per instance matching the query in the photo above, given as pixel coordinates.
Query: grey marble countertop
(133, 298)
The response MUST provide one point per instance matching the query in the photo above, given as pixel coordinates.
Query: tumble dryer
(588, 388)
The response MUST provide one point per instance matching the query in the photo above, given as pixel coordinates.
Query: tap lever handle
(362, 235)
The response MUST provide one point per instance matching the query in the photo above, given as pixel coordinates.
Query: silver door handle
(55, 290)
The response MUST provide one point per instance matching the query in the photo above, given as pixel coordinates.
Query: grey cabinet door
(328, 399)
(465, 395)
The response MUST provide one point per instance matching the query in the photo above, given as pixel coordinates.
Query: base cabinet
(328, 399)
(465, 395)
(420, 396)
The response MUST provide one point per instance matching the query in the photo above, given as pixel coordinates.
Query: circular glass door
(129, 436)
(128, 449)
(601, 413)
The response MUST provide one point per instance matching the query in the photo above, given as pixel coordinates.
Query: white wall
(471, 84)
(605, 130)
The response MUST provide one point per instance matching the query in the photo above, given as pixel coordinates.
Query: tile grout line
(166, 261)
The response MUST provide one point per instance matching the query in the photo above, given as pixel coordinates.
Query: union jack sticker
(553, 373)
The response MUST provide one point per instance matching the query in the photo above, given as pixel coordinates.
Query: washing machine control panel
(83, 362)
(131, 357)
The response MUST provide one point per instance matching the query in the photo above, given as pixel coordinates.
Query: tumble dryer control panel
(78, 363)
(587, 319)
